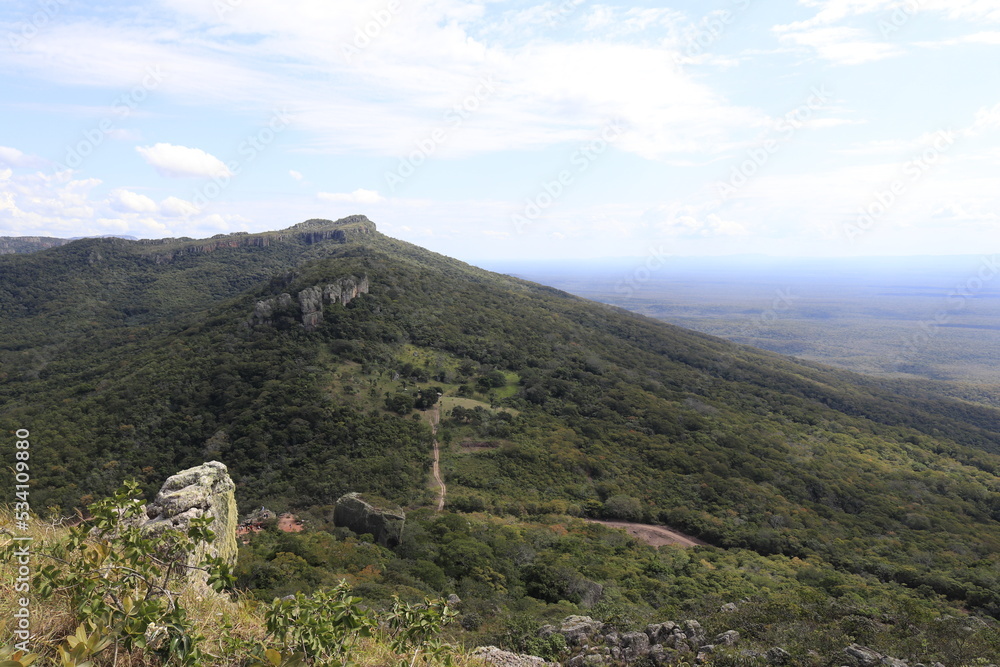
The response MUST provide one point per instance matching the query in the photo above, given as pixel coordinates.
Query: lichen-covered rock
(345, 290)
(501, 658)
(777, 656)
(311, 305)
(661, 657)
(862, 656)
(386, 526)
(589, 592)
(727, 638)
(205, 490)
(634, 645)
(310, 302)
(263, 311)
(577, 629)
(659, 632)
(694, 632)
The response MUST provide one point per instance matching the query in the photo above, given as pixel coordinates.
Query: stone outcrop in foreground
(500, 658)
(591, 643)
(386, 526)
(205, 490)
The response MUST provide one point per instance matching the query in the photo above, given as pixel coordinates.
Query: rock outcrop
(862, 656)
(346, 229)
(311, 301)
(351, 228)
(495, 656)
(591, 643)
(205, 490)
(386, 526)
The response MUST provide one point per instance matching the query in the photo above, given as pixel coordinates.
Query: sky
(492, 130)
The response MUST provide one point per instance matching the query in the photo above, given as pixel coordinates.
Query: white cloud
(691, 220)
(176, 207)
(359, 196)
(842, 45)
(828, 33)
(12, 157)
(59, 204)
(986, 119)
(180, 161)
(295, 174)
(126, 201)
(832, 11)
(428, 59)
(900, 11)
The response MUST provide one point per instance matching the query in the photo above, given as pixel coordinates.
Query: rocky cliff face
(203, 490)
(362, 517)
(237, 240)
(310, 301)
(351, 228)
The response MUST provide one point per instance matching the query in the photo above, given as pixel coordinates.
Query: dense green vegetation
(846, 495)
(109, 592)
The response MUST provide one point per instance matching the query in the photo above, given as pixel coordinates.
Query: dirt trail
(435, 417)
(656, 536)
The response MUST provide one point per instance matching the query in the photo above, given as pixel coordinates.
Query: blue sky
(491, 130)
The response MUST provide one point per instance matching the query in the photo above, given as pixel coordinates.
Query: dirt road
(656, 536)
(434, 415)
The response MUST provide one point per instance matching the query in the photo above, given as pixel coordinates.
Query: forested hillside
(304, 359)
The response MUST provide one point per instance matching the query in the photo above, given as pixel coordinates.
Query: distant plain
(927, 318)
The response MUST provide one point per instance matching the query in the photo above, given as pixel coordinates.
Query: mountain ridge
(585, 409)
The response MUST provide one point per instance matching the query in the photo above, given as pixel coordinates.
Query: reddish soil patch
(286, 522)
(656, 536)
(289, 524)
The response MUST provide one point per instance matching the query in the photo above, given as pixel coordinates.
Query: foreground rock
(353, 512)
(205, 490)
(591, 643)
(494, 656)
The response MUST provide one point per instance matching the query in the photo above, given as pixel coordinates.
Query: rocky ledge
(311, 302)
(590, 643)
